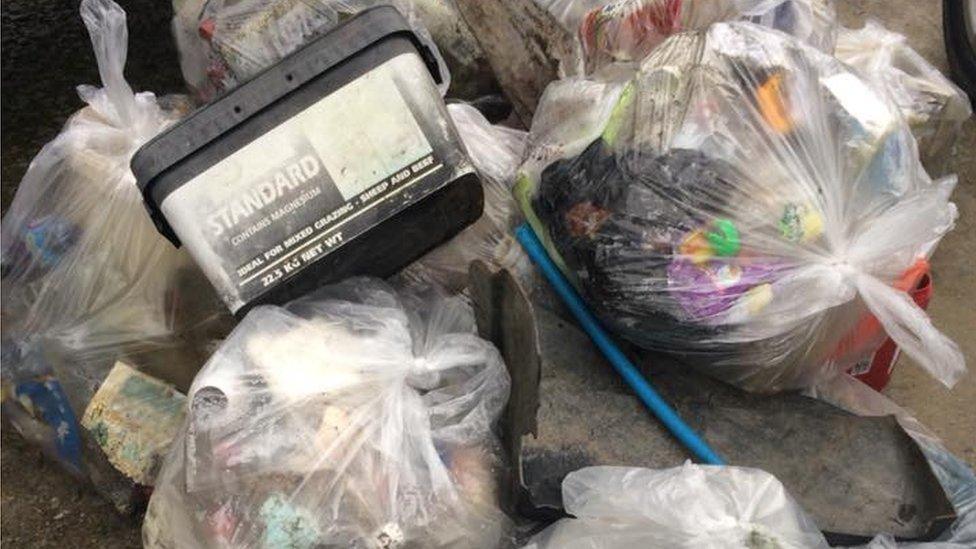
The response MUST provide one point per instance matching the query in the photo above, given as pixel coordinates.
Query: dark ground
(44, 507)
(45, 53)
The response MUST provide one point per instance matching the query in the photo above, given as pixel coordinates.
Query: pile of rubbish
(223, 43)
(79, 294)
(733, 201)
(611, 32)
(377, 432)
(932, 106)
(255, 314)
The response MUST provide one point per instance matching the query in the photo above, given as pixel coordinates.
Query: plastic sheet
(743, 201)
(496, 152)
(225, 42)
(353, 417)
(956, 477)
(933, 106)
(692, 506)
(87, 280)
(610, 31)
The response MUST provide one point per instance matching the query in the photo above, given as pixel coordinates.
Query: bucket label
(308, 186)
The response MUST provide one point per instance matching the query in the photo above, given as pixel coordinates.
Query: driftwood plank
(522, 43)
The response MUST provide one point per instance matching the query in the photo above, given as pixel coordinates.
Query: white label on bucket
(362, 157)
(312, 183)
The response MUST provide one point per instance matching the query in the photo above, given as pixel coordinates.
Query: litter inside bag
(222, 43)
(743, 201)
(352, 417)
(87, 280)
(933, 106)
(496, 152)
(691, 506)
(609, 31)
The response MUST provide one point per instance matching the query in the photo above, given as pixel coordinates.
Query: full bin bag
(686, 507)
(741, 201)
(87, 280)
(352, 417)
(933, 106)
(610, 31)
(222, 43)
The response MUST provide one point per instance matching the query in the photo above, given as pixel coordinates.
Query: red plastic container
(875, 370)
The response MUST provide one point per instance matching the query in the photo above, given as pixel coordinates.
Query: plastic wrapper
(609, 31)
(352, 417)
(225, 42)
(86, 278)
(692, 506)
(744, 202)
(496, 152)
(933, 106)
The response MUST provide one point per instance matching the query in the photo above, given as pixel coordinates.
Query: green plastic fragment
(524, 191)
(725, 239)
(617, 117)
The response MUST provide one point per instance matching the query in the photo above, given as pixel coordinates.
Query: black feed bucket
(340, 160)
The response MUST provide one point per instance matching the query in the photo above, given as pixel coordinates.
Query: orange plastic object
(772, 104)
(915, 281)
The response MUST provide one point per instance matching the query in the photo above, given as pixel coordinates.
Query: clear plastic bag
(352, 417)
(933, 106)
(496, 152)
(692, 506)
(87, 280)
(609, 31)
(743, 201)
(225, 42)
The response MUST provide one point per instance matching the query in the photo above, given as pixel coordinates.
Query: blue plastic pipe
(651, 399)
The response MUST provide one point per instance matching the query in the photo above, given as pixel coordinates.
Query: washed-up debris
(224, 43)
(471, 74)
(39, 410)
(742, 201)
(933, 106)
(875, 480)
(134, 418)
(496, 152)
(522, 43)
(281, 207)
(732, 196)
(531, 43)
(689, 506)
(125, 432)
(614, 31)
(86, 278)
(351, 417)
(568, 410)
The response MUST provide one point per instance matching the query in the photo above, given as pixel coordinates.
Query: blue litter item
(645, 391)
(51, 403)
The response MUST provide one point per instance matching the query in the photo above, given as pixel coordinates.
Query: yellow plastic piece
(758, 297)
(812, 224)
(696, 248)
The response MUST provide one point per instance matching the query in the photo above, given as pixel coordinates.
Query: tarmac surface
(45, 53)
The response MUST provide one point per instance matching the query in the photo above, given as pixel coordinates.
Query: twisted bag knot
(422, 374)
